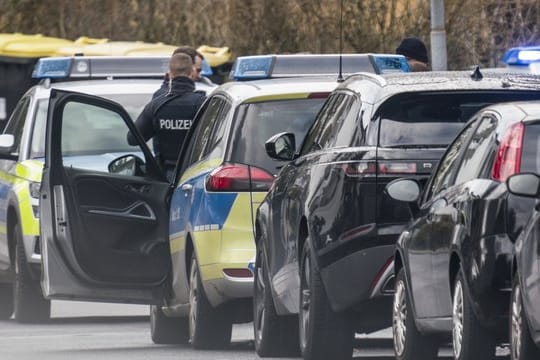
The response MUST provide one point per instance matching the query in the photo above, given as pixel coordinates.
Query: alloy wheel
(457, 320)
(399, 314)
(516, 333)
(193, 300)
(259, 302)
(305, 294)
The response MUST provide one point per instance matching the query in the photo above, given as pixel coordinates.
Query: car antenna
(476, 74)
(340, 74)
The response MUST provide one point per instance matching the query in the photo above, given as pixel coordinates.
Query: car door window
(204, 129)
(443, 177)
(311, 143)
(15, 125)
(476, 155)
(92, 137)
(214, 145)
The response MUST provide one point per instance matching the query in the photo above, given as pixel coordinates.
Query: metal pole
(438, 36)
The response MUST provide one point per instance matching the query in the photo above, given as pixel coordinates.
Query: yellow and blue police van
(124, 233)
(128, 81)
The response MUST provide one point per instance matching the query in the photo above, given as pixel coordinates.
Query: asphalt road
(91, 331)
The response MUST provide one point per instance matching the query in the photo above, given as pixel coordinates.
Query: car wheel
(209, 328)
(324, 334)
(29, 304)
(275, 336)
(6, 301)
(521, 343)
(470, 340)
(409, 343)
(167, 330)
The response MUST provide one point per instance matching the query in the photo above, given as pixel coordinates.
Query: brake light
(237, 177)
(360, 168)
(508, 158)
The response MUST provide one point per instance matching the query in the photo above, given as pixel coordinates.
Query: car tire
(275, 336)
(409, 343)
(324, 334)
(167, 330)
(209, 328)
(6, 301)
(470, 340)
(522, 346)
(29, 304)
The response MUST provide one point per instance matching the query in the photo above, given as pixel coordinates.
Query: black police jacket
(167, 118)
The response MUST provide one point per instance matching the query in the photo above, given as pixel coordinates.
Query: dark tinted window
(475, 158)
(311, 142)
(434, 119)
(530, 157)
(442, 179)
(257, 122)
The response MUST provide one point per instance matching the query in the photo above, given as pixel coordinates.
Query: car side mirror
(405, 190)
(281, 146)
(525, 184)
(7, 147)
(130, 165)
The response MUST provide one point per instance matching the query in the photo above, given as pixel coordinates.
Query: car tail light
(362, 168)
(508, 158)
(239, 177)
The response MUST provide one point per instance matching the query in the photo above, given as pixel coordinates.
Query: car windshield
(430, 119)
(132, 103)
(259, 121)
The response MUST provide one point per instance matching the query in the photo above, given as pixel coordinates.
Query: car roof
(384, 86)
(273, 89)
(106, 86)
(518, 110)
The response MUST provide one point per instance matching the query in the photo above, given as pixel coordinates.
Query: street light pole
(438, 36)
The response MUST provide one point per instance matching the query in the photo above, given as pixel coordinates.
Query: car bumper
(224, 288)
(356, 277)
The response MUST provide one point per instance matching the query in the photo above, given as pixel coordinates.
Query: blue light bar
(79, 67)
(252, 67)
(384, 63)
(522, 56)
(59, 68)
(280, 66)
(206, 69)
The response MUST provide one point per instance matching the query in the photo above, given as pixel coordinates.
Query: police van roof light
(206, 69)
(59, 68)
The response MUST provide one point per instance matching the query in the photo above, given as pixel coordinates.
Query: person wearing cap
(416, 53)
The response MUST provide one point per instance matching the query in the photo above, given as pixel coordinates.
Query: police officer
(415, 51)
(166, 119)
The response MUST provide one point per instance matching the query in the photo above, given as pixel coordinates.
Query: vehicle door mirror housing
(525, 184)
(7, 145)
(129, 165)
(405, 190)
(281, 146)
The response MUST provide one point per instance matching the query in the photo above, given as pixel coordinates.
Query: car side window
(348, 123)
(478, 150)
(104, 140)
(204, 129)
(442, 179)
(15, 125)
(214, 145)
(311, 142)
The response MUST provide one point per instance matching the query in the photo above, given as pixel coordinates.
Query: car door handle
(187, 187)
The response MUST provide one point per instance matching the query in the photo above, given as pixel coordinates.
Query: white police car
(130, 81)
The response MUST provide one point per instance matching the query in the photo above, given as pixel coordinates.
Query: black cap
(413, 48)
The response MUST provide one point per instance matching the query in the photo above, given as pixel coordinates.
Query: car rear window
(530, 156)
(256, 122)
(434, 119)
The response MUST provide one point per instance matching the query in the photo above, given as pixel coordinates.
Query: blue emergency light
(522, 56)
(297, 65)
(206, 69)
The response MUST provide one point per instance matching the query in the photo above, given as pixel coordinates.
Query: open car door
(104, 206)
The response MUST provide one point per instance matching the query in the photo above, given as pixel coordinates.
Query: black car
(453, 262)
(326, 231)
(524, 311)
